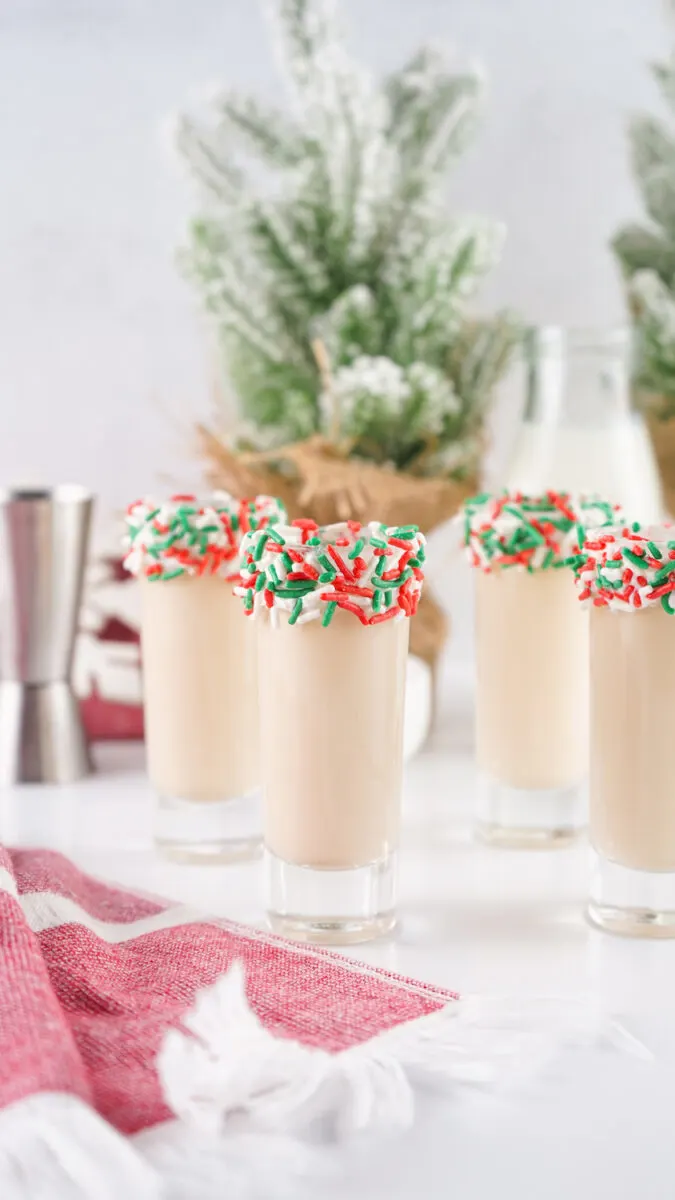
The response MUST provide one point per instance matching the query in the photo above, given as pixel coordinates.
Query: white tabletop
(595, 1124)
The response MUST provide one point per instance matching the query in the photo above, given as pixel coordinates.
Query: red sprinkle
(401, 544)
(349, 589)
(378, 618)
(269, 598)
(179, 498)
(662, 590)
(353, 608)
(558, 502)
(340, 563)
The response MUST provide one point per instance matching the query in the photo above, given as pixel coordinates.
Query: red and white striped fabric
(145, 1051)
(92, 978)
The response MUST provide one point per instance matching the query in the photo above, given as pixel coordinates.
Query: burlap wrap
(662, 434)
(314, 478)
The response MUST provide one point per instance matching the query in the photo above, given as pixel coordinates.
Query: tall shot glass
(628, 580)
(199, 673)
(332, 608)
(531, 667)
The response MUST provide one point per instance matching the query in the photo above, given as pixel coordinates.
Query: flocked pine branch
(647, 252)
(329, 219)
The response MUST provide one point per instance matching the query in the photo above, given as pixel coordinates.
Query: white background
(103, 360)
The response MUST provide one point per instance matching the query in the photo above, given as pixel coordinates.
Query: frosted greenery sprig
(344, 236)
(647, 252)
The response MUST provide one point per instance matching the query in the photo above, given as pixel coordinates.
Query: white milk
(616, 461)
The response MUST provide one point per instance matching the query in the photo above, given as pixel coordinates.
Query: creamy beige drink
(627, 578)
(331, 724)
(199, 671)
(531, 678)
(332, 609)
(200, 690)
(531, 665)
(633, 731)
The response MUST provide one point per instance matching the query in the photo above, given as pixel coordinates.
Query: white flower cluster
(375, 395)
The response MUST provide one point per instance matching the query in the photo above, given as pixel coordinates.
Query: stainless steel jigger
(43, 548)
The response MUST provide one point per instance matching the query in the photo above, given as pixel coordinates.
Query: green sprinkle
(548, 558)
(297, 609)
(272, 571)
(287, 561)
(654, 550)
(313, 541)
(356, 549)
(260, 582)
(381, 564)
(664, 574)
(636, 560)
(406, 532)
(608, 583)
(259, 550)
(376, 601)
(325, 562)
(234, 520)
(636, 527)
(169, 574)
(327, 577)
(665, 604)
(290, 590)
(249, 599)
(328, 615)
(392, 583)
(387, 599)
(275, 536)
(374, 541)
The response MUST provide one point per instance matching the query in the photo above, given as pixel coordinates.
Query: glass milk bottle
(579, 431)
(531, 666)
(199, 672)
(332, 609)
(628, 580)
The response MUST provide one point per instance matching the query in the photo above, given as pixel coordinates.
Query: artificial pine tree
(647, 256)
(329, 221)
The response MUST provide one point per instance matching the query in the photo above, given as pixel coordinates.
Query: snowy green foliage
(329, 220)
(647, 252)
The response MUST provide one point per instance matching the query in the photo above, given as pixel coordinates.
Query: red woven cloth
(92, 977)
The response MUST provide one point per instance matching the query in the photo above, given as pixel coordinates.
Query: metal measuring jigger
(43, 549)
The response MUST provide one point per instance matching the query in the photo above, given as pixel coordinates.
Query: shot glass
(332, 609)
(628, 579)
(531, 667)
(199, 673)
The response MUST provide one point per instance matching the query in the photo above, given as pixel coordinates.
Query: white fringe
(252, 1106)
(54, 1147)
(228, 1066)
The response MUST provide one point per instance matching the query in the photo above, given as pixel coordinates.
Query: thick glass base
(330, 906)
(631, 903)
(529, 818)
(219, 831)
